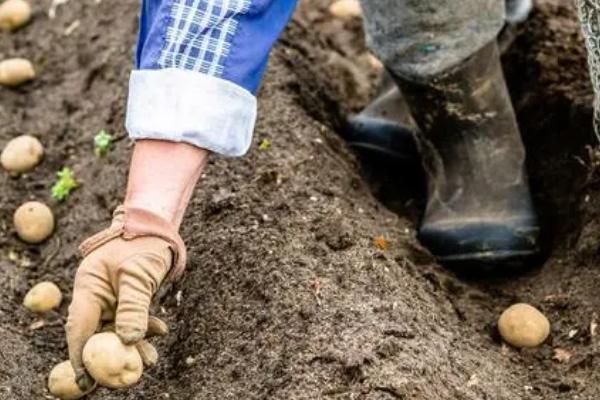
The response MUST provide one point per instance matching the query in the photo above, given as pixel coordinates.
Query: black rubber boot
(384, 130)
(479, 207)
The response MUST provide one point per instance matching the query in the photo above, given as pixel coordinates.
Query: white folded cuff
(185, 106)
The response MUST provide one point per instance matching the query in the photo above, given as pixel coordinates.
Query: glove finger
(139, 279)
(82, 323)
(156, 327)
(148, 353)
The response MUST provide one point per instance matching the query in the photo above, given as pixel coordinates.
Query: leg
(589, 13)
(418, 39)
(385, 129)
(445, 60)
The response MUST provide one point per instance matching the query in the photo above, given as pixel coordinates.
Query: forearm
(199, 66)
(162, 177)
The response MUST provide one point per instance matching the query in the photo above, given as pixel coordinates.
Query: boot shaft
(469, 139)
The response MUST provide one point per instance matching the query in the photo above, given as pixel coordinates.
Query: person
(199, 64)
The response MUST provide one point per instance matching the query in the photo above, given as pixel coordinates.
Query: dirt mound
(286, 295)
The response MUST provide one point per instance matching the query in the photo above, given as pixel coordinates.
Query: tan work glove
(123, 268)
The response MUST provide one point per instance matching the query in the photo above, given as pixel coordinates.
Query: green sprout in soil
(265, 144)
(64, 185)
(102, 143)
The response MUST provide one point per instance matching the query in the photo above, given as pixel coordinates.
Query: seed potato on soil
(21, 154)
(43, 297)
(523, 325)
(110, 362)
(61, 382)
(34, 222)
(15, 72)
(269, 309)
(14, 14)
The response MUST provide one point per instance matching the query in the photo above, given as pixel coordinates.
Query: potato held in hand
(21, 154)
(110, 362)
(61, 382)
(34, 222)
(522, 325)
(43, 297)
(16, 71)
(14, 14)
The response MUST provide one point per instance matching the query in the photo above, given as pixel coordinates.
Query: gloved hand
(123, 268)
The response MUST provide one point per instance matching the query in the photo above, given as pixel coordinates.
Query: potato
(61, 382)
(21, 154)
(522, 325)
(34, 222)
(43, 297)
(16, 71)
(110, 362)
(14, 14)
(345, 9)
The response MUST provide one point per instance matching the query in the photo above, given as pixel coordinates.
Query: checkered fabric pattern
(199, 65)
(200, 33)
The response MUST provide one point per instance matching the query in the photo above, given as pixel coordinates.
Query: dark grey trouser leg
(419, 39)
(589, 15)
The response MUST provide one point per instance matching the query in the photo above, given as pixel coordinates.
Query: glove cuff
(130, 223)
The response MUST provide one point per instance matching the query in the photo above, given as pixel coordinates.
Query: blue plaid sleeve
(199, 64)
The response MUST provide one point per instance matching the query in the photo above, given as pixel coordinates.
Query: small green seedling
(265, 144)
(102, 142)
(64, 185)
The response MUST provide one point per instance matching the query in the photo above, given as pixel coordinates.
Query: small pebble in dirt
(345, 9)
(16, 71)
(190, 361)
(43, 297)
(61, 382)
(112, 363)
(523, 325)
(34, 222)
(14, 14)
(21, 154)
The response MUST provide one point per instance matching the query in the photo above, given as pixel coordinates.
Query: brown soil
(286, 296)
